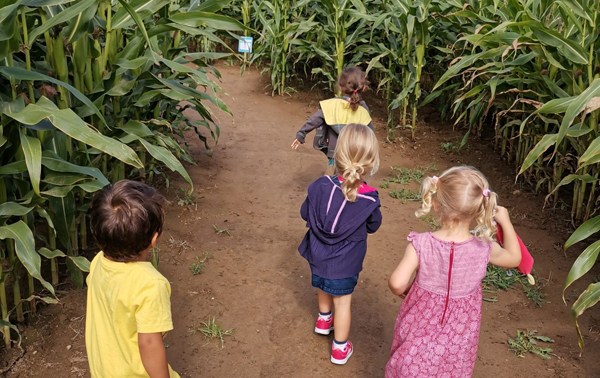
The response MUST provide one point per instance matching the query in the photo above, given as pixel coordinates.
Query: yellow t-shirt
(124, 299)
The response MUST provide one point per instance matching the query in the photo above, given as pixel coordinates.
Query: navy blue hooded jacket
(336, 241)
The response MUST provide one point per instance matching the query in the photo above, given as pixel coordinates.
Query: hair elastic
(486, 192)
(356, 91)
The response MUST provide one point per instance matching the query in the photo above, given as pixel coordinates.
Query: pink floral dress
(437, 329)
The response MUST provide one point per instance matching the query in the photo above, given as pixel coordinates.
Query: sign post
(245, 46)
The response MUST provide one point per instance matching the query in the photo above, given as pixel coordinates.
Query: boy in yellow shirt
(128, 303)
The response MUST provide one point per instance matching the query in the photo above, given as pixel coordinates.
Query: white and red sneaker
(324, 327)
(341, 356)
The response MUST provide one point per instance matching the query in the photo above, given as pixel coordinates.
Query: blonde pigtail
(428, 190)
(485, 228)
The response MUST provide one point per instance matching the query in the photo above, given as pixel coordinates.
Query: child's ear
(154, 241)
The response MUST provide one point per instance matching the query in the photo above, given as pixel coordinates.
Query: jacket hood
(331, 217)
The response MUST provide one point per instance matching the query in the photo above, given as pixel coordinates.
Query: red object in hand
(526, 258)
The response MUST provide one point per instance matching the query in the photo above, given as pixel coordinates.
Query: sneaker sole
(342, 362)
(323, 331)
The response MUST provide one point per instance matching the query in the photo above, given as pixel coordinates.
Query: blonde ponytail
(356, 155)
(352, 180)
(428, 190)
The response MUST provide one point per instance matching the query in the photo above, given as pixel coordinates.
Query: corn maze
(91, 93)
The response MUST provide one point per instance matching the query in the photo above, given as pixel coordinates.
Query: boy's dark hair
(124, 218)
(353, 81)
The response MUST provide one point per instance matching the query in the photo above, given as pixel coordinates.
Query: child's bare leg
(325, 302)
(342, 320)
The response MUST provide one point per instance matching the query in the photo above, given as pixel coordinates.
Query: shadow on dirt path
(255, 281)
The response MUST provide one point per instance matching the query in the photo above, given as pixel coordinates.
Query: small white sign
(245, 45)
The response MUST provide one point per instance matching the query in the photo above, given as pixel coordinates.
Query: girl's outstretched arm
(317, 119)
(400, 280)
(510, 255)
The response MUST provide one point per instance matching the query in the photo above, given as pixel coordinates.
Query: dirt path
(256, 282)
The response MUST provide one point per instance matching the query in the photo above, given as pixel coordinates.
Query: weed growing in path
(526, 342)
(405, 195)
(534, 292)
(197, 266)
(186, 197)
(213, 330)
(497, 278)
(219, 231)
(403, 175)
(448, 147)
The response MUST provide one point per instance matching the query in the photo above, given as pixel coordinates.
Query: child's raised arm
(510, 255)
(400, 279)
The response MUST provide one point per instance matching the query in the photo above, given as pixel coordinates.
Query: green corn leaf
(51, 254)
(138, 129)
(587, 229)
(570, 49)
(208, 5)
(582, 265)
(138, 21)
(32, 150)
(456, 68)
(79, 25)
(55, 163)
(22, 74)
(576, 107)
(63, 191)
(44, 214)
(558, 105)
(69, 123)
(81, 262)
(65, 15)
(569, 179)
(59, 178)
(577, 8)
(63, 214)
(4, 323)
(10, 209)
(547, 141)
(587, 299)
(143, 8)
(591, 154)
(75, 272)
(25, 249)
(197, 19)
(166, 157)
(8, 15)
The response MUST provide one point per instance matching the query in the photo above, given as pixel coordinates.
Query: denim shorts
(337, 288)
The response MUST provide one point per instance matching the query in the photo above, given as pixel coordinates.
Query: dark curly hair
(125, 217)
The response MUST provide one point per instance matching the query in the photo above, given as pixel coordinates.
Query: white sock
(340, 346)
(326, 317)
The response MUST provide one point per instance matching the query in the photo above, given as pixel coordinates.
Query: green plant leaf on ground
(527, 342)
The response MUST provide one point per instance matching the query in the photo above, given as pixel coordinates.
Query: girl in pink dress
(437, 329)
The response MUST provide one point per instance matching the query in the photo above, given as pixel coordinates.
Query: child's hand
(295, 144)
(501, 216)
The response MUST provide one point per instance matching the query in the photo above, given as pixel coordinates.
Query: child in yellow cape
(337, 112)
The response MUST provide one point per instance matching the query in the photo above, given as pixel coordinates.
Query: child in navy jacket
(340, 211)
